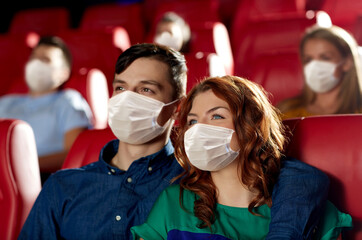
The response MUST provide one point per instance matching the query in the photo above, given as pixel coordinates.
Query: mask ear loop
(166, 109)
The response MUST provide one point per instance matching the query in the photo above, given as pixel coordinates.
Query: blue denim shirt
(299, 197)
(99, 201)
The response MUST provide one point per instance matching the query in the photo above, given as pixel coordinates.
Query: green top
(168, 220)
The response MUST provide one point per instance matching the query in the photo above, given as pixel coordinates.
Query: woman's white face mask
(208, 146)
(320, 77)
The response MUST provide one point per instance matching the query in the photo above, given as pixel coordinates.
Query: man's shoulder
(292, 167)
(68, 175)
(12, 98)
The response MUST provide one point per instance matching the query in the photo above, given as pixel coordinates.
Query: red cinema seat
(194, 12)
(280, 74)
(93, 49)
(333, 144)
(109, 15)
(92, 84)
(213, 37)
(201, 65)
(357, 32)
(249, 11)
(14, 53)
(227, 11)
(343, 13)
(87, 147)
(44, 21)
(19, 175)
(270, 36)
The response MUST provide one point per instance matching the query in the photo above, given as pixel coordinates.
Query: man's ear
(176, 113)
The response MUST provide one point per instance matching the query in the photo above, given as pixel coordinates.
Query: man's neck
(128, 153)
(40, 94)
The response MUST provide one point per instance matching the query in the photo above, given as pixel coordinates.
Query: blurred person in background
(57, 116)
(332, 72)
(173, 31)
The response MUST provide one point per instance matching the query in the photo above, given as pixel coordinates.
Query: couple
(105, 199)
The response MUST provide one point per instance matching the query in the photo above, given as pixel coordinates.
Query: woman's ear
(348, 64)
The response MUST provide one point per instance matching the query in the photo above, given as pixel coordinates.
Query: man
(105, 199)
(56, 116)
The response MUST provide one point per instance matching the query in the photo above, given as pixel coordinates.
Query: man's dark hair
(173, 59)
(59, 43)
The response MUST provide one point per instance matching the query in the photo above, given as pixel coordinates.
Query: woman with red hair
(230, 145)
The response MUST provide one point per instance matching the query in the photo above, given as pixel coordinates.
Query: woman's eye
(192, 122)
(216, 116)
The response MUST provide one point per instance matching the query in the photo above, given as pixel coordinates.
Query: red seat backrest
(249, 11)
(333, 144)
(109, 15)
(92, 84)
(343, 13)
(14, 53)
(268, 36)
(201, 65)
(195, 13)
(213, 37)
(93, 49)
(19, 175)
(87, 147)
(280, 74)
(44, 21)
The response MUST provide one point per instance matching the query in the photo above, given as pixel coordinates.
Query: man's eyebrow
(152, 82)
(118, 81)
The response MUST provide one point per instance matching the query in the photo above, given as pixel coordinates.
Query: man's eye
(118, 88)
(147, 90)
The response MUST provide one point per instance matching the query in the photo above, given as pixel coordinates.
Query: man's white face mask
(39, 76)
(133, 117)
(172, 41)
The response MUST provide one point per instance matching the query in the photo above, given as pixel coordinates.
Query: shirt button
(109, 173)
(129, 180)
(113, 171)
(149, 169)
(118, 218)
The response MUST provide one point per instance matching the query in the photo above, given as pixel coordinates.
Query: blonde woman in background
(332, 71)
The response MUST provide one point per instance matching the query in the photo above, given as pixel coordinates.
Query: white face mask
(133, 117)
(319, 76)
(208, 147)
(166, 39)
(39, 76)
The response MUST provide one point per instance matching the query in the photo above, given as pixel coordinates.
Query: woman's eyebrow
(216, 108)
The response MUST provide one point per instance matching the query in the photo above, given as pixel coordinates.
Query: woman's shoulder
(173, 193)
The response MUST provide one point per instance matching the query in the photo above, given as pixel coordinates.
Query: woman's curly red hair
(260, 136)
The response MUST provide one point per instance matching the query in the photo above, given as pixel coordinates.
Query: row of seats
(330, 143)
(261, 33)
